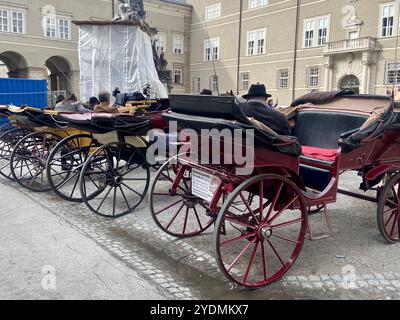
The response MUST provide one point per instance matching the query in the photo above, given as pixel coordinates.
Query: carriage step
(314, 236)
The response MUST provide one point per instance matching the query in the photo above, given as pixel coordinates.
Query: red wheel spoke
(168, 178)
(264, 259)
(276, 197)
(253, 255)
(283, 210)
(390, 218)
(174, 217)
(186, 220)
(393, 228)
(261, 196)
(286, 239)
(276, 252)
(389, 211)
(244, 224)
(198, 218)
(241, 254)
(248, 208)
(169, 207)
(391, 202)
(285, 224)
(245, 236)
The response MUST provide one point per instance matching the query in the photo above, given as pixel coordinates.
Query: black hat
(257, 90)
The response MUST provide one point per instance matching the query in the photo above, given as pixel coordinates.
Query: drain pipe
(239, 47)
(113, 8)
(296, 43)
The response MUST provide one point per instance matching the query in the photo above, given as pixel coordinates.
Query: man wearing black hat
(257, 108)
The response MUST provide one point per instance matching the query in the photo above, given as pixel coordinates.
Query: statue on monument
(131, 10)
(161, 66)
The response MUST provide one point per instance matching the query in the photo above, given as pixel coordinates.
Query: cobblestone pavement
(356, 263)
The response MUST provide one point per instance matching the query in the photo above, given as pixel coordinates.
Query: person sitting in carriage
(105, 104)
(256, 107)
(71, 105)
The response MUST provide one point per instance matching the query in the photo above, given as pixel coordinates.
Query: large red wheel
(178, 212)
(389, 210)
(260, 231)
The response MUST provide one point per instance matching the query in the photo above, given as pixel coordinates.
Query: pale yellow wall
(279, 19)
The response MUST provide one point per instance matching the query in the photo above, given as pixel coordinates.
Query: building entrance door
(350, 82)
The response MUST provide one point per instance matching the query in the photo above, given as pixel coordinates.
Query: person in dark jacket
(257, 108)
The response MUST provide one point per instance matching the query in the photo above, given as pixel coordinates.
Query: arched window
(350, 82)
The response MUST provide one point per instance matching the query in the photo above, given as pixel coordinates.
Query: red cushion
(319, 153)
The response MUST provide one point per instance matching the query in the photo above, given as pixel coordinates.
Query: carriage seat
(319, 132)
(322, 129)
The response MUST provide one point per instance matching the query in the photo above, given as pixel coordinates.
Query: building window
(309, 33)
(257, 3)
(4, 20)
(387, 20)
(322, 30)
(50, 27)
(178, 79)
(17, 22)
(57, 27)
(63, 27)
(12, 21)
(160, 44)
(214, 83)
(211, 49)
(178, 44)
(313, 77)
(256, 42)
(392, 73)
(196, 84)
(213, 12)
(283, 78)
(316, 31)
(245, 81)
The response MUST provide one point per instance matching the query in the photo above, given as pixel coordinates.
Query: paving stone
(379, 276)
(314, 278)
(362, 284)
(373, 282)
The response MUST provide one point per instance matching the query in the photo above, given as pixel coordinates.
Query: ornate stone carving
(131, 10)
(161, 66)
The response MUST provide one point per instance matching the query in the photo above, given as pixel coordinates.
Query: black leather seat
(322, 129)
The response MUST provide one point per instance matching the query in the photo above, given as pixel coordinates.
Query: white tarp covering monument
(116, 55)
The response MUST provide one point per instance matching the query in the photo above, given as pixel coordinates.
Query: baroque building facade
(293, 46)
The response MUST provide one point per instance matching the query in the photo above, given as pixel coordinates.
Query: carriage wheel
(28, 160)
(8, 140)
(114, 180)
(260, 231)
(389, 210)
(65, 163)
(178, 213)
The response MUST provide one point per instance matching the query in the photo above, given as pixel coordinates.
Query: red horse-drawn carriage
(261, 218)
